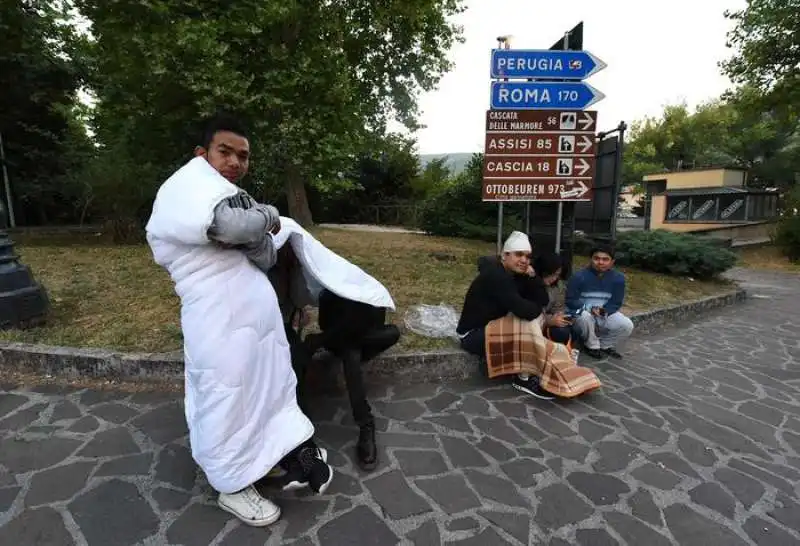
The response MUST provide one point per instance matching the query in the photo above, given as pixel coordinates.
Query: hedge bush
(457, 212)
(786, 235)
(674, 254)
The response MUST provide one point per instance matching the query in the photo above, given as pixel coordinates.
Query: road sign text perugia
(544, 63)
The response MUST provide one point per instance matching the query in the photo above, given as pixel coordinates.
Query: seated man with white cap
(503, 286)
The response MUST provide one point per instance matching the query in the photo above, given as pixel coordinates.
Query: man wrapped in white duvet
(241, 408)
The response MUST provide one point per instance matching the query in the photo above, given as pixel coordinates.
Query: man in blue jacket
(595, 294)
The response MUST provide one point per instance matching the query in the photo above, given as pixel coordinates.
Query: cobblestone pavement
(694, 440)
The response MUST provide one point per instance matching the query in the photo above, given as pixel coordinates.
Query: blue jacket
(587, 288)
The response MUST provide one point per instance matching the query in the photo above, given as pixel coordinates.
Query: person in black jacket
(353, 331)
(505, 285)
(356, 333)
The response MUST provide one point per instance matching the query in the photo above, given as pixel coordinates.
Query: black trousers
(475, 342)
(355, 333)
(301, 358)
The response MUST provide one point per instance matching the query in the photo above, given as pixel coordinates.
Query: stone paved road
(695, 440)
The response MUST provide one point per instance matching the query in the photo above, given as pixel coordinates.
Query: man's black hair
(604, 248)
(547, 264)
(222, 121)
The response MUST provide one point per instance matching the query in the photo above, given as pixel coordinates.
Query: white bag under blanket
(323, 268)
(240, 387)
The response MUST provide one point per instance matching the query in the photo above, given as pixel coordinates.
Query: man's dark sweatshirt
(495, 293)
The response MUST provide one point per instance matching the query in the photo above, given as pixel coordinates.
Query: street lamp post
(23, 301)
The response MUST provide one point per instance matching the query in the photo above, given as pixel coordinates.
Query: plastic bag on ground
(437, 321)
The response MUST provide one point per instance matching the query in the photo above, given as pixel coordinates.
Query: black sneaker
(319, 472)
(613, 353)
(597, 354)
(531, 386)
(293, 475)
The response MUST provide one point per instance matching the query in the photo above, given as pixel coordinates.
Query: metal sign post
(560, 213)
(503, 43)
(12, 220)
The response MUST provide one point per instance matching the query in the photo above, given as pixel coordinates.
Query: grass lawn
(116, 297)
(766, 257)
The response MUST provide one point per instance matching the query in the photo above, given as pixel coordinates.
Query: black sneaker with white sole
(531, 386)
(290, 475)
(318, 471)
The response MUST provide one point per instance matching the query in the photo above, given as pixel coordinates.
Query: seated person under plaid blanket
(503, 286)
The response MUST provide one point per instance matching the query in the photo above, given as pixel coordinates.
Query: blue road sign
(516, 95)
(544, 63)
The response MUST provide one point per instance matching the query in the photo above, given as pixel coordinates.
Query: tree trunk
(297, 198)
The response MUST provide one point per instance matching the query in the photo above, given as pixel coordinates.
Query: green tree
(434, 177)
(761, 136)
(766, 40)
(457, 210)
(742, 129)
(43, 139)
(383, 175)
(313, 79)
(659, 144)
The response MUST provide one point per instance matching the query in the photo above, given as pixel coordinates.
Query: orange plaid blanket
(516, 346)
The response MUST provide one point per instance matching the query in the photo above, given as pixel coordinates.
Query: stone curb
(399, 368)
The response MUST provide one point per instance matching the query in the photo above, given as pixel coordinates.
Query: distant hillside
(455, 162)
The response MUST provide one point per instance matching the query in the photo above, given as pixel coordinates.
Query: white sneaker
(250, 507)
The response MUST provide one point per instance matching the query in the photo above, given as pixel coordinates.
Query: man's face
(602, 262)
(517, 262)
(228, 153)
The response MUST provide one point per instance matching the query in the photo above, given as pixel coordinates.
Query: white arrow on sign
(586, 122)
(582, 166)
(585, 143)
(578, 190)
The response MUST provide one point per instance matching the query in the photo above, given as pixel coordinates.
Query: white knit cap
(517, 242)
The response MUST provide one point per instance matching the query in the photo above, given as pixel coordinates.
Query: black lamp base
(23, 301)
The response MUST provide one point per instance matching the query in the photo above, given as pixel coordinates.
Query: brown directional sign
(540, 121)
(543, 189)
(495, 167)
(539, 155)
(515, 144)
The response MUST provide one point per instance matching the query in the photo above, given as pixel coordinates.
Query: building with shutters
(713, 202)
